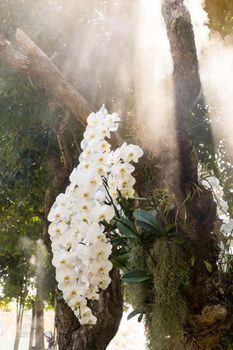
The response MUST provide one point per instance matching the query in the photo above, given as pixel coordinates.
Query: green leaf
(117, 241)
(126, 228)
(145, 216)
(133, 313)
(208, 266)
(192, 260)
(127, 222)
(35, 219)
(126, 207)
(146, 227)
(119, 261)
(135, 277)
(140, 317)
(148, 236)
(113, 222)
(178, 239)
(170, 228)
(148, 220)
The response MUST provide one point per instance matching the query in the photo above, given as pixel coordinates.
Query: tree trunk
(39, 306)
(72, 336)
(19, 321)
(39, 331)
(209, 317)
(32, 330)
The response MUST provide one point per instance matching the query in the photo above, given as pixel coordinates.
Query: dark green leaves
(135, 313)
(125, 206)
(145, 217)
(135, 277)
(126, 228)
(148, 221)
(119, 261)
(176, 238)
(208, 266)
(192, 261)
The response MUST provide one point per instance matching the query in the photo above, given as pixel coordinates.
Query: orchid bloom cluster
(213, 183)
(81, 249)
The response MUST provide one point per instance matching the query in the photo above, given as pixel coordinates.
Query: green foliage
(126, 228)
(139, 295)
(135, 277)
(133, 314)
(208, 266)
(23, 180)
(149, 221)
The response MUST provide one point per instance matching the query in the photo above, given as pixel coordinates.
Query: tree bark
(209, 317)
(19, 320)
(72, 336)
(39, 315)
(32, 330)
(183, 50)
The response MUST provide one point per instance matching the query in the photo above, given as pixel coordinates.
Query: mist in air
(117, 53)
(215, 54)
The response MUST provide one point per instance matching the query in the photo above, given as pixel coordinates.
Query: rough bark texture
(19, 321)
(208, 318)
(39, 313)
(32, 61)
(185, 64)
(109, 310)
(32, 330)
(39, 331)
(187, 86)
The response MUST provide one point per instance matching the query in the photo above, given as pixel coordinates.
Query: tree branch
(32, 61)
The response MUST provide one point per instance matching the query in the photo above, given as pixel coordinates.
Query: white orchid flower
(81, 250)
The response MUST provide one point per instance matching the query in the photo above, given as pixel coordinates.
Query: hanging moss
(138, 294)
(165, 320)
(161, 300)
